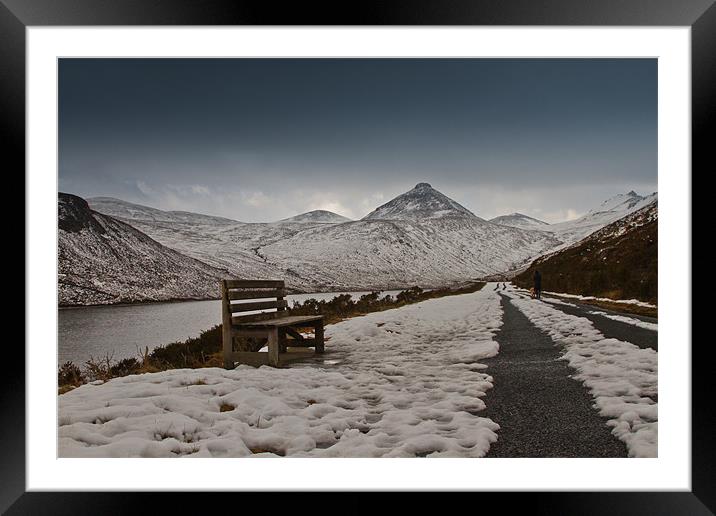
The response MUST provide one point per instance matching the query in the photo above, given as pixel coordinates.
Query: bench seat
(290, 320)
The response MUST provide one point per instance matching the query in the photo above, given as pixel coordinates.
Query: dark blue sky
(262, 139)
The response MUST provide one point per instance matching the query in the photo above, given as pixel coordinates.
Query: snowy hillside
(369, 254)
(421, 237)
(621, 203)
(235, 247)
(219, 242)
(319, 216)
(103, 260)
(618, 261)
(429, 240)
(609, 211)
(648, 214)
(421, 203)
(518, 220)
(120, 209)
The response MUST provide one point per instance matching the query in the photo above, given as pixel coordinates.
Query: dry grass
(280, 453)
(66, 388)
(226, 407)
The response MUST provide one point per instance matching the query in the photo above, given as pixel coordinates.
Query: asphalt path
(541, 410)
(611, 329)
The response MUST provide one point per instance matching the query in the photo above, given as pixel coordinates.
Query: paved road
(542, 412)
(642, 337)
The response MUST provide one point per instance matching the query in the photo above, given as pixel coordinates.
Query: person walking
(538, 284)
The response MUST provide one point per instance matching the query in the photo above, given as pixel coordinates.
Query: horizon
(359, 218)
(266, 139)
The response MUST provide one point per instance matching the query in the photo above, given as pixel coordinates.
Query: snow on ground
(406, 382)
(621, 318)
(559, 302)
(620, 376)
(628, 320)
(592, 298)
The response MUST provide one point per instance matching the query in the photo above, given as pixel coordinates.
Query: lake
(122, 330)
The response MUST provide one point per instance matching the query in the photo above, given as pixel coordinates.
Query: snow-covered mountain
(120, 209)
(421, 237)
(573, 231)
(648, 214)
(318, 216)
(103, 260)
(618, 261)
(372, 254)
(216, 241)
(609, 211)
(620, 203)
(519, 220)
(421, 203)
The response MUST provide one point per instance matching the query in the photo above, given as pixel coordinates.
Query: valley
(421, 237)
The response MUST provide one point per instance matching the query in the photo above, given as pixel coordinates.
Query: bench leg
(227, 339)
(320, 341)
(282, 340)
(273, 347)
(227, 348)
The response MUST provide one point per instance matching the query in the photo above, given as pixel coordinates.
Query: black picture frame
(700, 15)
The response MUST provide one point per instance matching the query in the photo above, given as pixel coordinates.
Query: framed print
(348, 244)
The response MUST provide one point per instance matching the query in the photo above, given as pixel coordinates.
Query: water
(120, 331)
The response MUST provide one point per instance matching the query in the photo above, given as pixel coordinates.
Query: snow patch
(628, 320)
(592, 298)
(404, 383)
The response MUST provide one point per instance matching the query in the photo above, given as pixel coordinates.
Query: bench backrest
(240, 296)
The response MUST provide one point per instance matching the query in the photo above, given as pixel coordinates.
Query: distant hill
(609, 211)
(618, 261)
(421, 237)
(319, 216)
(102, 260)
(519, 220)
(124, 210)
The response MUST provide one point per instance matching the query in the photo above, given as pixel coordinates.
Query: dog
(533, 294)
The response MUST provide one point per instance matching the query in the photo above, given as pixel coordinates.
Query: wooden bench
(279, 328)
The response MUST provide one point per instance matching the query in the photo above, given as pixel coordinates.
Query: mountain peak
(74, 214)
(322, 216)
(422, 202)
(620, 202)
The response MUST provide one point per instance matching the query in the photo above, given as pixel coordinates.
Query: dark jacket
(538, 281)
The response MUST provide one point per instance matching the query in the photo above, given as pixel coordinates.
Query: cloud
(561, 215)
(257, 199)
(334, 206)
(144, 188)
(187, 190)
